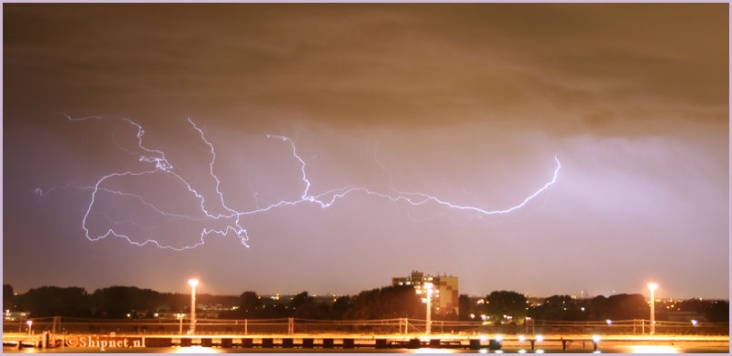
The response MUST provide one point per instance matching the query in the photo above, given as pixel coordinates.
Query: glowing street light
(595, 341)
(29, 323)
(193, 282)
(428, 327)
(180, 323)
(652, 287)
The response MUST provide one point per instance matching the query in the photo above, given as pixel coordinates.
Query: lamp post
(180, 323)
(193, 283)
(652, 287)
(428, 327)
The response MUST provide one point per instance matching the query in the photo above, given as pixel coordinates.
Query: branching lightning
(155, 162)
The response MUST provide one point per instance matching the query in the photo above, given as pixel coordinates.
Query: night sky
(422, 122)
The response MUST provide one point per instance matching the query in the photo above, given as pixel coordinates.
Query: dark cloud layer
(377, 64)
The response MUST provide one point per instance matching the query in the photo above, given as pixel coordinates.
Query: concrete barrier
(328, 343)
(227, 343)
(414, 343)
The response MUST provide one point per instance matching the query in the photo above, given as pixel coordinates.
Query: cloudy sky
(130, 131)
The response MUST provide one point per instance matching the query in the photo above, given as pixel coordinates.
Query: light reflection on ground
(426, 350)
(652, 349)
(196, 350)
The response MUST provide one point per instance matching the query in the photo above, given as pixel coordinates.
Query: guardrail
(403, 326)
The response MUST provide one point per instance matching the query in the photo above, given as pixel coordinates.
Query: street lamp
(180, 323)
(652, 287)
(193, 282)
(428, 327)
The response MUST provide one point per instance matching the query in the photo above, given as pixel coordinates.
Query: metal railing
(404, 326)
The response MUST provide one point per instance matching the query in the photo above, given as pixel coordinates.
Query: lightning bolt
(156, 162)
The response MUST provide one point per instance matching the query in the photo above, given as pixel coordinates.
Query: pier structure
(335, 342)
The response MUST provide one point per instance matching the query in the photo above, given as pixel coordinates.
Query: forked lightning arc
(157, 163)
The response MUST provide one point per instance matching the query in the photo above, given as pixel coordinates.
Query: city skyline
(541, 148)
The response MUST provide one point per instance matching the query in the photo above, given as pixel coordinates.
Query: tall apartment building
(444, 291)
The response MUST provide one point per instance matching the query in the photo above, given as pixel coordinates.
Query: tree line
(502, 307)
(499, 307)
(120, 302)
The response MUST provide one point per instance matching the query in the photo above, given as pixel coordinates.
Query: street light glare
(193, 282)
(428, 322)
(652, 287)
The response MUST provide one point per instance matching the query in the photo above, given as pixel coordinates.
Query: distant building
(444, 292)
(11, 315)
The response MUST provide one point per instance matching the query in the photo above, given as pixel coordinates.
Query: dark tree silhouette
(620, 307)
(8, 297)
(465, 307)
(387, 302)
(506, 303)
(56, 301)
(718, 311)
(300, 299)
(249, 303)
(561, 307)
(341, 307)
